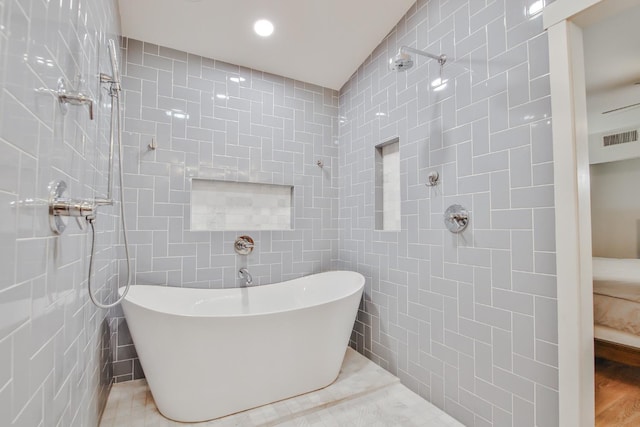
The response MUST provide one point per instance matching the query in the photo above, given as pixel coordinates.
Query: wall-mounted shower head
(401, 62)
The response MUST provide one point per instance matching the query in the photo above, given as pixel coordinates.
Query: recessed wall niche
(387, 196)
(226, 206)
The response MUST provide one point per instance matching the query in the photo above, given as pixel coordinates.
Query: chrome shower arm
(442, 58)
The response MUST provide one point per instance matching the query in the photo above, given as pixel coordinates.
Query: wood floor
(617, 394)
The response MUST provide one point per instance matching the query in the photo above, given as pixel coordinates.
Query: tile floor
(363, 395)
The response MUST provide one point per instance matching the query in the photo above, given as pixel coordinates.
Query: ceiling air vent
(620, 138)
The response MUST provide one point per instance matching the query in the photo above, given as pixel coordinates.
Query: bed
(616, 305)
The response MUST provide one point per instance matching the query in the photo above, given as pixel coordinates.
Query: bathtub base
(244, 365)
(203, 367)
(222, 413)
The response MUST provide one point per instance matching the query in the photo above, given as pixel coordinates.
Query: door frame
(563, 20)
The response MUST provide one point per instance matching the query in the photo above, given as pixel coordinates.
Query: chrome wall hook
(434, 178)
(152, 145)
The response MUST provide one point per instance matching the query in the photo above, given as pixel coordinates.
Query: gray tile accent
(463, 320)
(488, 135)
(214, 120)
(55, 346)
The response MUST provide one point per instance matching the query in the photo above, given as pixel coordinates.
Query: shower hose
(115, 112)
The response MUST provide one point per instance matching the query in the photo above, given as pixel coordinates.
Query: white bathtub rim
(346, 295)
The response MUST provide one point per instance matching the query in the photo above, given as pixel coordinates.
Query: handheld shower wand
(114, 91)
(115, 69)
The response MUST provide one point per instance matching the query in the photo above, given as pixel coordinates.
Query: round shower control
(456, 218)
(243, 245)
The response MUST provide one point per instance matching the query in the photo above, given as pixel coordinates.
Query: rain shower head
(403, 61)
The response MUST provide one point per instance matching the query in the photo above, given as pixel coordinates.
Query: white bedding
(616, 294)
(617, 270)
(629, 291)
(616, 313)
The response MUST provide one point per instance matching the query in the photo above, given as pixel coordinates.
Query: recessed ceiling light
(263, 27)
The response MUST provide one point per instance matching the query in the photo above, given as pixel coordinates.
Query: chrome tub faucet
(243, 273)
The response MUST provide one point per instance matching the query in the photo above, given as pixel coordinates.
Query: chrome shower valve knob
(243, 245)
(456, 218)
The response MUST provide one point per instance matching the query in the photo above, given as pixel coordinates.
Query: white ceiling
(612, 66)
(321, 42)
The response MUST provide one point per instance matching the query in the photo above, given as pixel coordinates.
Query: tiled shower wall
(468, 321)
(55, 367)
(213, 120)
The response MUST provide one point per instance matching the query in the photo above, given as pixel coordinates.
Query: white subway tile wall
(467, 321)
(225, 205)
(55, 367)
(216, 121)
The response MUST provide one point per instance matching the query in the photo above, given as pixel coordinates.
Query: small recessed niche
(233, 206)
(387, 190)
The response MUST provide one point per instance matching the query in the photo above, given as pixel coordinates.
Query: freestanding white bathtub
(208, 353)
